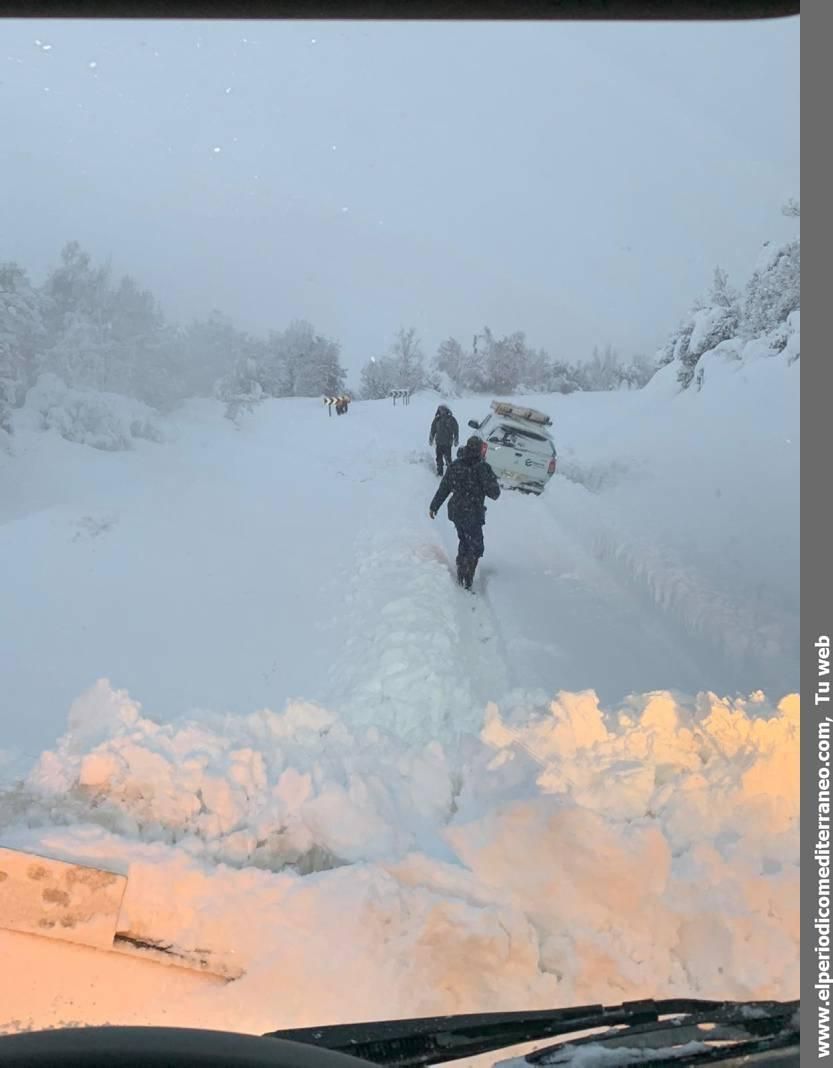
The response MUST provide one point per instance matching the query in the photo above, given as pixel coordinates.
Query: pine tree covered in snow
(713, 321)
(302, 363)
(22, 335)
(138, 342)
(110, 338)
(762, 321)
(774, 290)
(75, 288)
(76, 295)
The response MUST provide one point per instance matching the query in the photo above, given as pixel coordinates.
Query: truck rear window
(513, 431)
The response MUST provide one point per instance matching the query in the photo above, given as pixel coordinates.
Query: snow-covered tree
(639, 371)
(564, 378)
(212, 349)
(774, 290)
(714, 320)
(451, 360)
(82, 352)
(75, 288)
(321, 371)
(302, 363)
(162, 380)
(408, 360)
(505, 360)
(601, 372)
(475, 372)
(22, 335)
(378, 377)
(764, 321)
(711, 321)
(537, 372)
(76, 297)
(240, 389)
(140, 344)
(276, 370)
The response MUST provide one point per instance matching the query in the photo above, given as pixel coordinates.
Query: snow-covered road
(233, 570)
(294, 678)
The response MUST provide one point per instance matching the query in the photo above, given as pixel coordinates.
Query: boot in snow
(467, 569)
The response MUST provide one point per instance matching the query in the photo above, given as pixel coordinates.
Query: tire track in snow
(567, 623)
(752, 636)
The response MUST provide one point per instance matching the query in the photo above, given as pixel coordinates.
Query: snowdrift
(694, 501)
(574, 853)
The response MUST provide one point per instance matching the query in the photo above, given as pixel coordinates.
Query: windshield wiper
(437, 1039)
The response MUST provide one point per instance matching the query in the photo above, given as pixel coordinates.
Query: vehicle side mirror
(474, 424)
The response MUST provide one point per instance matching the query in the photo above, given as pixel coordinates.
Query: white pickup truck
(518, 446)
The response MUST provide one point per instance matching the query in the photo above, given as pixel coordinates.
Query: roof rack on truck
(515, 411)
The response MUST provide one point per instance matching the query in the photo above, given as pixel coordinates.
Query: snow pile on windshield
(575, 853)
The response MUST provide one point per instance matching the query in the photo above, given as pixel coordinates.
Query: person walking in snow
(468, 481)
(445, 432)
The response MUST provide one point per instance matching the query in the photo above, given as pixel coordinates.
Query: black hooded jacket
(468, 481)
(444, 429)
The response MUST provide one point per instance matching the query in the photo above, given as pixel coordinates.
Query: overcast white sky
(578, 182)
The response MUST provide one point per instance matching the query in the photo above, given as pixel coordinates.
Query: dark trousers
(469, 550)
(443, 454)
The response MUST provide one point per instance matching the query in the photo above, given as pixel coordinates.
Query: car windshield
(320, 704)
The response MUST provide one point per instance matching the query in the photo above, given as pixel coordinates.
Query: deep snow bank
(694, 499)
(573, 853)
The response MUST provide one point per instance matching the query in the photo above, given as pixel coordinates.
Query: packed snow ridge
(574, 853)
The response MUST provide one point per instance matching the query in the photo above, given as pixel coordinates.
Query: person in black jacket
(468, 481)
(446, 432)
